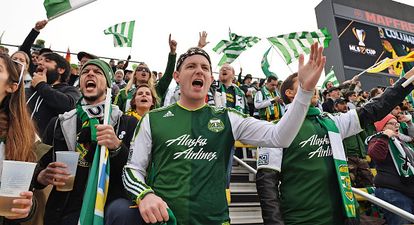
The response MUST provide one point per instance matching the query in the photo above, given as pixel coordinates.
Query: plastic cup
(71, 160)
(16, 178)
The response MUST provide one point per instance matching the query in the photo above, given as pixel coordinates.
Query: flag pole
(282, 58)
(375, 64)
(346, 28)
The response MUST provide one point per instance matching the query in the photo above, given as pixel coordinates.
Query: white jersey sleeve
(347, 123)
(265, 134)
(135, 170)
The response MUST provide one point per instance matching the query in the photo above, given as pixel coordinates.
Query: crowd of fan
(53, 88)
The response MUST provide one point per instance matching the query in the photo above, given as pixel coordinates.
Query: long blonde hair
(150, 82)
(21, 135)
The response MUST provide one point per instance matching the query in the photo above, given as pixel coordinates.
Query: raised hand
(309, 73)
(40, 25)
(202, 41)
(173, 45)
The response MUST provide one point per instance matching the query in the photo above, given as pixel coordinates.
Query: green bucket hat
(104, 66)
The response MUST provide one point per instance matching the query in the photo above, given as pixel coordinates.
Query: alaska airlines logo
(193, 145)
(360, 35)
(314, 140)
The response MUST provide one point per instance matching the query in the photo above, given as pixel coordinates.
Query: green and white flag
(234, 47)
(330, 77)
(293, 44)
(123, 33)
(55, 8)
(266, 65)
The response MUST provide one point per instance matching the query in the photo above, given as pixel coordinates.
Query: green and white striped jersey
(182, 155)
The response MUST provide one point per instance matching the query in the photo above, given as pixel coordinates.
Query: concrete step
(246, 215)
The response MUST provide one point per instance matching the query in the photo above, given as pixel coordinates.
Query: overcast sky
(82, 30)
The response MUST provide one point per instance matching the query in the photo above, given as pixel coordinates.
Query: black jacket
(61, 204)
(46, 101)
(267, 181)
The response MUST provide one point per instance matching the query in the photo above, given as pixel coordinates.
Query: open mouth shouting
(197, 83)
(90, 85)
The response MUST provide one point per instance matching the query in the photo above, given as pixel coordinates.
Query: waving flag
(67, 57)
(330, 77)
(55, 8)
(93, 205)
(293, 44)
(266, 65)
(234, 47)
(123, 33)
(389, 62)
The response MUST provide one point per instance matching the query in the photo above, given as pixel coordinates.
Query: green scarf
(271, 112)
(402, 156)
(238, 98)
(129, 94)
(341, 164)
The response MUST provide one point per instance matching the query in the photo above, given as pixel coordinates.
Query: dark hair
(271, 78)
(373, 92)
(348, 94)
(60, 63)
(287, 85)
(44, 51)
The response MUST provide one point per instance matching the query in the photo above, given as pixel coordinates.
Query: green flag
(293, 44)
(55, 8)
(330, 77)
(234, 47)
(266, 65)
(123, 33)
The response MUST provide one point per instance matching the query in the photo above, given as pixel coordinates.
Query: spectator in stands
(328, 105)
(351, 98)
(83, 57)
(394, 162)
(119, 79)
(49, 94)
(309, 188)
(81, 130)
(28, 42)
(268, 101)
(229, 94)
(143, 101)
(355, 152)
(142, 74)
(23, 58)
(4, 50)
(249, 92)
(128, 75)
(200, 198)
(17, 133)
(374, 92)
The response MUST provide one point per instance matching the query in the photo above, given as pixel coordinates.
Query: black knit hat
(191, 52)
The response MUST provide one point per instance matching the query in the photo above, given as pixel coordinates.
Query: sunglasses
(17, 63)
(143, 69)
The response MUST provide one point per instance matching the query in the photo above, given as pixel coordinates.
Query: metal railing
(404, 214)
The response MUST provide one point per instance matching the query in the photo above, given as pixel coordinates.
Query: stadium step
(244, 207)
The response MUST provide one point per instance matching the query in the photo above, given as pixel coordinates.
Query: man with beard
(49, 94)
(81, 130)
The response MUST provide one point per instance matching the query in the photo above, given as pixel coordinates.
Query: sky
(82, 29)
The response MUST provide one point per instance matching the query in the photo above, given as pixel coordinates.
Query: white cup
(16, 178)
(70, 158)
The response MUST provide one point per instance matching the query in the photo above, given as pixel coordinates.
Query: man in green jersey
(180, 154)
(314, 181)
